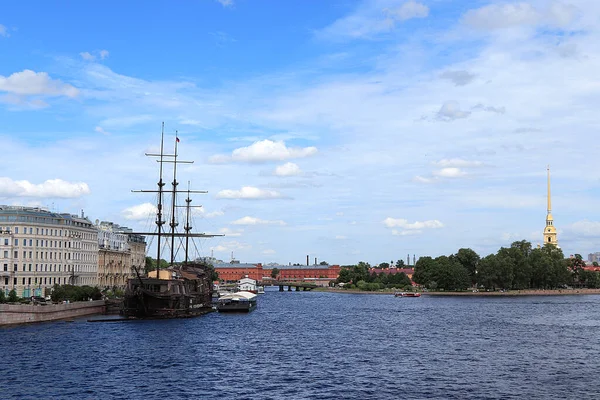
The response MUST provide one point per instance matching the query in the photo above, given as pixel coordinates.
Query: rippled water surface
(312, 345)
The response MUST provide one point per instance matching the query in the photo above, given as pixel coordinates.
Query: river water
(314, 345)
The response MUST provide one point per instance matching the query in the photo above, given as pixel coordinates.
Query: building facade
(119, 251)
(232, 272)
(39, 249)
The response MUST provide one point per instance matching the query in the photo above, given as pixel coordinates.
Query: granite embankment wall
(23, 314)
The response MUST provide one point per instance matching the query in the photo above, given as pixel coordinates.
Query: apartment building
(120, 253)
(40, 248)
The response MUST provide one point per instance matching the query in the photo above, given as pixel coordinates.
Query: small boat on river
(237, 302)
(407, 294)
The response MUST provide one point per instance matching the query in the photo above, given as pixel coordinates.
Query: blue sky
(346, 130)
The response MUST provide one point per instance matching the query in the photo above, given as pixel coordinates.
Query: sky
(343, 130)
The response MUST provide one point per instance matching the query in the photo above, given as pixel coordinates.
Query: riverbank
(555, 292)
(13, 314)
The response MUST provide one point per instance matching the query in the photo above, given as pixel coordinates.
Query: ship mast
(159, 221)
(187, 228)
(171, 158)
(173, 201)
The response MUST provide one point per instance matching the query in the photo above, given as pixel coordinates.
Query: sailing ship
(181, 290)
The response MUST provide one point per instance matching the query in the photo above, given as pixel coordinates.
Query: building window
(16, 267)
(5, 253)
(6, 267)
(6, 242)
(29, 281)
(24, 266)
(16, 254)
(16, 229)
(16, 242)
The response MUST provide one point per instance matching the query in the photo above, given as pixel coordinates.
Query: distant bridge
(304, 286)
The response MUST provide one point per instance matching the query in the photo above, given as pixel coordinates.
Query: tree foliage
(274, 273)
(12, 296)
(75, 293)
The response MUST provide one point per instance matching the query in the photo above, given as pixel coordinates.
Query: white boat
(261, 290)
(237, 302)
(247, 285)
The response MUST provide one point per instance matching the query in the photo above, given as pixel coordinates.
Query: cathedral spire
(550, 234)
(549, 198)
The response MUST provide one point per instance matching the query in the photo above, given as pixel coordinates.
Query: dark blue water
(310, 345)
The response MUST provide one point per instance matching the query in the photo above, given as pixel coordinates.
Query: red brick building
(231, 272)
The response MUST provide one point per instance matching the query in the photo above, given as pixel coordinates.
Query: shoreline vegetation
(525, 292)
(514, 270)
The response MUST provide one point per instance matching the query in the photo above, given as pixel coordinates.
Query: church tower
(550, 230)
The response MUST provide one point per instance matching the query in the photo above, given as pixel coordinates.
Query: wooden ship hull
(177, 293)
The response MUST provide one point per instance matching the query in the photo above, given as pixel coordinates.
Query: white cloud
(371, 19)
(459, 78)
(231, 246)
(249, 193)
(396, 232)
(3, 31)
(340, 237)
(423, 179)
(87, 56)
(449, 172)
(256, 221)
(508, 15)
(288, 169)
(450, 111)
(585, 228)
(100, 130)
(28, 82)
(50, 188)
(226, 3)
(214, 214)
(269, 251)
(408, 10)
(231, 232)
(139, 212)
(265, 150)
(459, 163)
(404, 224)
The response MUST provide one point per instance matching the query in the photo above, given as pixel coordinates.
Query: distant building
(232, 272)
(594, 257)
(39, 249)
(550, 236)
(120, 253)
(408, 271)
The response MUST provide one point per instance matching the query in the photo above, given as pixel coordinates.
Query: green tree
(12, 296)
(323, 263)
(449, 274)
(424, 270)
(487, 272)
(384, 265)
(2, 296)
(346, 274)
(400, 264)
(469, 259)
(274, 273)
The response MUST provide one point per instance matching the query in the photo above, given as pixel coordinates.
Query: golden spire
(549, 199)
